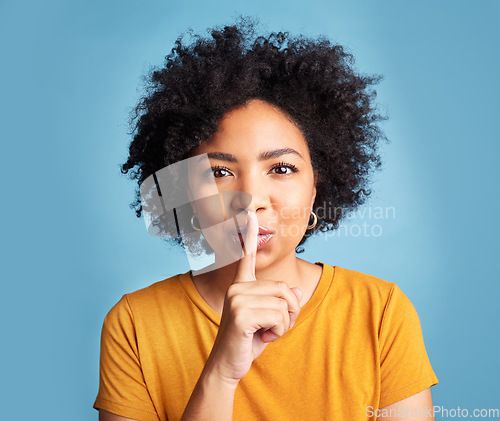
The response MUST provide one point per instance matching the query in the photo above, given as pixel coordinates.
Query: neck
(288, 269)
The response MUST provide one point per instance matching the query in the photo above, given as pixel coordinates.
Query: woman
(264, 335)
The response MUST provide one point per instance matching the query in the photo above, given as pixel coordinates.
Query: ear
(314, 188)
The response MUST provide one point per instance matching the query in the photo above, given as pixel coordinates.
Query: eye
(284, 169)
(220, 172)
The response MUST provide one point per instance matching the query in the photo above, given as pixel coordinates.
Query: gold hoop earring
(311, 226)
(196, 228)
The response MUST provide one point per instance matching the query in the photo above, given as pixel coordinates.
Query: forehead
(254, 128)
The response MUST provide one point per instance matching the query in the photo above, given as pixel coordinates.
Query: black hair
(311, 80)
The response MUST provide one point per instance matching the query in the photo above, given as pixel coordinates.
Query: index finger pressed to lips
(246, 265)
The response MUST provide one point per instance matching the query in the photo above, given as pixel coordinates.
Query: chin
(266, 258)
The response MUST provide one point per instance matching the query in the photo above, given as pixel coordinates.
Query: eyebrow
(275, 153)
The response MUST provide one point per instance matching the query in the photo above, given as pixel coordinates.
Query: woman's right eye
(220, 172)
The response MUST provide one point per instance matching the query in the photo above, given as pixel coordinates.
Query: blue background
(71, 246)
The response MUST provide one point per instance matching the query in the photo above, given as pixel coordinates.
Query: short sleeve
(405, 368)
(122, 389)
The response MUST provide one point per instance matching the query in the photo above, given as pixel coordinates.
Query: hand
(255, 312)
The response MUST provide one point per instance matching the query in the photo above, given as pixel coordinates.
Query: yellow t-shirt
(357, 343)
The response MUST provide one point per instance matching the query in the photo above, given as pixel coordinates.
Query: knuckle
(232, 290)
(283, 304)
(284, 288)
(280, 318)
(286, 318)
(295, 308)
(240, 317)
(235, 302)
(280, 284)
(231, 301)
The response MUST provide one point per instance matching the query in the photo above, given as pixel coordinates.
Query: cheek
(292, 213)
(210, 211)
(295, 198)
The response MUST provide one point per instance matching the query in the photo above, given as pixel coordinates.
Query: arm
(212, 398)
(254, 314)
(417, 407)
(123, 394)
(405, 367)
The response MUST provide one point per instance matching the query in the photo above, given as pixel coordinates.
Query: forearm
(212, 399)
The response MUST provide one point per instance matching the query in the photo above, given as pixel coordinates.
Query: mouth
(264, 235)
(262, 231)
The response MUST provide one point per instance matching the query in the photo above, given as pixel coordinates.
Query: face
(258, 151)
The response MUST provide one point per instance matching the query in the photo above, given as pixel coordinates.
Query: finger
(266, 319)
(281, 290)
(251, 301)
(271, 288)
(246, 266)
(298, 293)
(268, 336)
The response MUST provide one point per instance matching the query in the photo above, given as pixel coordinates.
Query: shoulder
(150, 299)
(171, 285)
(362, 293)
(362, 284)
(369, 291)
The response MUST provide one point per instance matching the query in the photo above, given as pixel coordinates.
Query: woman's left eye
(284, 169)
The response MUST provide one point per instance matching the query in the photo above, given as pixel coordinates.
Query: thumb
(298, 293)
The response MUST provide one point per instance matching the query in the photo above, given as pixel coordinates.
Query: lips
(262, 231)
(262, 240)
(263, 237)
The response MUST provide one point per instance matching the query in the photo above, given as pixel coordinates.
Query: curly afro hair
(311, 80)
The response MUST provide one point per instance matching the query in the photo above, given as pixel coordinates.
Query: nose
(251, 194)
